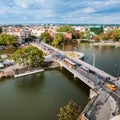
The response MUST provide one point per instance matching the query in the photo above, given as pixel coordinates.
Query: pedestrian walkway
(103, 108)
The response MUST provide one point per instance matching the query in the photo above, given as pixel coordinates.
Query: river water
(39, 96)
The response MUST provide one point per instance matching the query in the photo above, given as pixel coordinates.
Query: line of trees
(59, 37)
(113, 35)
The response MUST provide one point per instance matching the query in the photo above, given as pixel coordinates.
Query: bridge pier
(61, 66)
(75, 76)
(92, 93)
(78, 41)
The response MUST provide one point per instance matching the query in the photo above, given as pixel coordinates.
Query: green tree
(8, 39)
(96, 38)
(2, 39)
(59, 38)
(87, 34)
(117, 33)
(65, 28)
(11, 40)
(109, 35)
(103, 36)
(29, 56)
(45, 37)
(80, 34)
(0, 29)
(113, 36)
(69, 112)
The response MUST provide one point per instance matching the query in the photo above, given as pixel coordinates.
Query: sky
(60, 11)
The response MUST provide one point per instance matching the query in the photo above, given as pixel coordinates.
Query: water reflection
(106, 56)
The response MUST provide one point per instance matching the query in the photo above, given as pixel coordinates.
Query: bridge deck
(77, 74)
(97, 70)
(84, 78)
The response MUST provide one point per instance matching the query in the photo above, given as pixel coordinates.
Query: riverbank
(115, 44)
(18, 71)
(28, 73)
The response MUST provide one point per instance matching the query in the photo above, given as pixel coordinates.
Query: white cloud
(2, 12)
(88, 10)
(22, 3)
(39, 1)
(24, 17)
(61, 10)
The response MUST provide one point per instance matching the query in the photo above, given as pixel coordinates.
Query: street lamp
(63, 47)
(75, 51)
(118, 70)
(93, 59)
(49, 41)
(55, 45)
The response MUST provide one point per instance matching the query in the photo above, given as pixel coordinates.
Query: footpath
(103, 108)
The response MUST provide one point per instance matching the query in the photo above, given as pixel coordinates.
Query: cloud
(24, 17)
(39, 0)
(88, 10)
(80, 11)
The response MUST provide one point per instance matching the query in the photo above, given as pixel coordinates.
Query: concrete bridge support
(61, 66)
(75, 76)
(92, 93)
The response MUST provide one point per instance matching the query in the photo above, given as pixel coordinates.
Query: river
(106, 57)
(39, 96)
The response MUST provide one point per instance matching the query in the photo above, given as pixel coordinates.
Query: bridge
(91, 79)
(95, 79)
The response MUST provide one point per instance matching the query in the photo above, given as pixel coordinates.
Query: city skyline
(60, 11)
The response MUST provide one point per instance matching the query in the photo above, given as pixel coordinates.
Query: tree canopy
(8, 39)
(65, 28)
(86, 34)
(69, 112)
(117, 33)
(45, 37)
(0, 29)
(109, 35)
(59, 38)
(79, 35)
(29, 56)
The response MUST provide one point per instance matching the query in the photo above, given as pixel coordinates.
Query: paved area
(103, 108)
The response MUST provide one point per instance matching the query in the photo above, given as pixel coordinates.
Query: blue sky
(60, 11)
